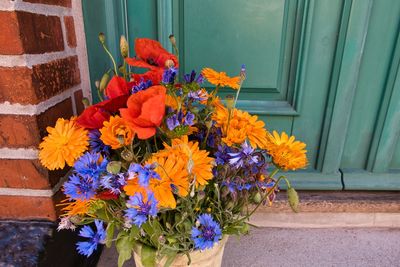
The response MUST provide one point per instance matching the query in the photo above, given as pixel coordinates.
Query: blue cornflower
(144, 173)
(81, 187)
(87, 247)
(207, 233)
(172, 122)
(113, 182)
(139, 210)
(142, 85)
(189, 119)
(89, 164)
(191, 77)
(197, 95)
(243, 157)
(169, 75)
(96, 144)
(222, 155)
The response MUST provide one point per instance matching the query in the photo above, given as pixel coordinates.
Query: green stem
(112, 59)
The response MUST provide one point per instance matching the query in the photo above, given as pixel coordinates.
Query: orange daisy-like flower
(197, 162)
(240, 126)
(66, 142)
(116, 133)
(173, 173)
(220, 78)
(286, 153)
(77, 207)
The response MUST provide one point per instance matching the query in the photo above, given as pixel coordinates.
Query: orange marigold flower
(132, 187)
(77, 207)
(286, 153)
(198, 163)
(66, 142)
(173, 174)
(220, 78)
(241, 126)
(116, 133)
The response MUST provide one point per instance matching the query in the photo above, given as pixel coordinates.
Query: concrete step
(304, 247)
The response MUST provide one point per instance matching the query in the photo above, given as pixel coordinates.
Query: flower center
(208, 233)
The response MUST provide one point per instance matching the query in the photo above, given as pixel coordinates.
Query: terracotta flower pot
(207, 258)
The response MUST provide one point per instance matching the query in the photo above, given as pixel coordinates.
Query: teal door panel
(325, 71)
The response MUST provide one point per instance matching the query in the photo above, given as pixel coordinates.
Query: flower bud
(102, 38)
(85, 102)
(114, 167)
(172, 39)
(169, 63)
(201, 195)
(123, 45)
(97, 84)
(230, 102)
(104, 81)
(257, 198)
(293, 199)
(127, 155)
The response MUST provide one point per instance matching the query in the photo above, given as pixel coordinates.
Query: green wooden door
(325, 71)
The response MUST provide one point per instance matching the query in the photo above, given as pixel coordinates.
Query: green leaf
(148, 256)
(124, 247)
(110, 234)
(170, 258)
(293, 199)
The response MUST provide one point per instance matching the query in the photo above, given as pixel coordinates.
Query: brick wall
(43, 76)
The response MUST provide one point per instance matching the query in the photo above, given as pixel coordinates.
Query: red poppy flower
(94, 116)
(145, 111)
(152, 56)
(118, 86)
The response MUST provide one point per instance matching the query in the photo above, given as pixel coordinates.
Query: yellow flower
(242, 126)
(286, 153)
(77, 207)
(66, 142)
(116, 133)
(198, 163)
(173, 173)
(220, 78)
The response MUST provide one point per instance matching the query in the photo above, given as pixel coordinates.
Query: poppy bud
(127, 155)
(293, 199)
(123, 45)
(102, 38)
(104, 81)
(86, 102)
(230, 102)
(257, 198)
(172, 39)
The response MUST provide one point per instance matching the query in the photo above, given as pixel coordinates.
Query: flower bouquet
(163, 167)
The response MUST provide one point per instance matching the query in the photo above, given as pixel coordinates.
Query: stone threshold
(320, 209)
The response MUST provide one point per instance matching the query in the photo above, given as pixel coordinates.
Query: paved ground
(306, 247)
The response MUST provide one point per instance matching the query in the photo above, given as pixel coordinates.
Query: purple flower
(139, 210)
(81, 187)
(207, 233)
(142, 85)
(222, 155)
(191, 77)
(169, 75)
(113, 182)
(243, 157)
(197, 96)
(89, 164)
(172, 122)
(189, 119)
(86, 248)
(95, 143)
(144, 173)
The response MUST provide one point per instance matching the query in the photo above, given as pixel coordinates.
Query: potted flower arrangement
(163, 167)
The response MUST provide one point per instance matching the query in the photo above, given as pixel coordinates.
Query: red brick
(29, 33)
(26, 173)
(20, 131)
(69, 26)
(66, 3)
(27, 208)
(78, 101)
(32, 86)
(10, 41)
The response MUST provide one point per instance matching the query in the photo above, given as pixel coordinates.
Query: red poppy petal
(145, 133)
